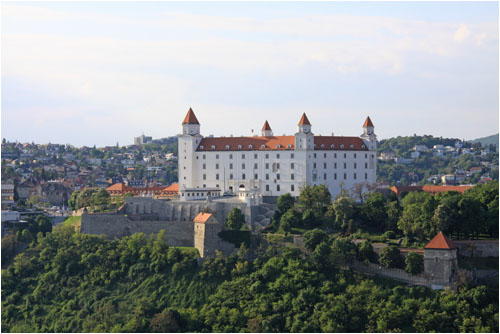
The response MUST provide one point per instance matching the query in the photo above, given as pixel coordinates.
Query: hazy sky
(97, 73)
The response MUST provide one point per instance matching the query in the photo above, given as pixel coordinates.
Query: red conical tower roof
(304, 120)
(266, 127)
(440, 241)
(190, 118)
(368, 122)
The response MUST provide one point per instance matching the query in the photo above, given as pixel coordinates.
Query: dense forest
(70, 282)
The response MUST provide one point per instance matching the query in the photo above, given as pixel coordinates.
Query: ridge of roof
(368, 122)
(304, 120)
(190, 118)
(202, 217)
(266, 126)
(440, 241)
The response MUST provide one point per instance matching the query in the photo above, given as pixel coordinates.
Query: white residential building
(274, 165)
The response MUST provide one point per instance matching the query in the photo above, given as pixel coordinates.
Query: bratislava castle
(273, 165)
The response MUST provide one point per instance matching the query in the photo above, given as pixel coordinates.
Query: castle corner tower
(187, 145)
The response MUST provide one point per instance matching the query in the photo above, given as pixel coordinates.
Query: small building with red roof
(440, 259)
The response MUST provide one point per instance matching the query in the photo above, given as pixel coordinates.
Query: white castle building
(269, 165)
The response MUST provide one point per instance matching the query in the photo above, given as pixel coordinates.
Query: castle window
(345, 165)
(292, 176)
(204, 156)
(267, 187)
(277, 176)
(366, 164)
(230, 176)
(267, 165)
(355, 176)
(256, 176)
(243, 156)
(345, 155)
(366, 176)
(335, 176)
(216, 176)
(292, 166)
(292, 156)
(314, 155)
(292, 187)
(324, 176)
(314, 165)
(322, 145)
(366, 156)
(324, 165)
(277, 187)
(277, 156)
(255, 166)
(216, 156)
(345, 176)
(332, 146)
(227, 147)
(230, 156)
(255, 156)
(240, 147)
(230, 166)
(267, 156)
(314, 145)
(262, 146)
(335, 155)
(267, 176)
(278, 146)
(204, 166)
(213, 147)
(242, 166)
(243, 176)
(324, 155)
(250, 146)
(355, 165)
(289, 145)
(351, 146)
(216, 166)
(354, 155)
(341, 145)
(278, 165)
(202, 147)
(335, 165)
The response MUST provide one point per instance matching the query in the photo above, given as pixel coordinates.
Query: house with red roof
(440, 259)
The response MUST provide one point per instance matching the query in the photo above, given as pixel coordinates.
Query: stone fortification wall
(479, 248)
(179, 233)
(143, 208)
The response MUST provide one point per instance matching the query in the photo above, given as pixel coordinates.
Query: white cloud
(462, 33)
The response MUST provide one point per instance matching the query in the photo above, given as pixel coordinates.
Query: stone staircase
(263, 219)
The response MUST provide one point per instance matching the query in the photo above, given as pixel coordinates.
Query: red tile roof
(440, 241)
(368, 122)
(117, 187)
(171, 190)
(266, 127)
(430, 189)
(190, 118)
(202, 217)
(304, 120)
(272, 142)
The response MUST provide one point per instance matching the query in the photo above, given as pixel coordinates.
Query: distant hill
(485, 141)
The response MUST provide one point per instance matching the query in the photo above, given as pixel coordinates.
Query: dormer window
(289, 145)
(341, 145)
(363, 146)
(351, 146)
(240, 147)
(227, 147)
(250, 146)
(262, 146)
(322, 145)
(314, 145)
(202, 147)
(213, 147)
(332, 146)
(278, 146)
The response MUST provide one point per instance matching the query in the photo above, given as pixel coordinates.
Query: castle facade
(270, 165)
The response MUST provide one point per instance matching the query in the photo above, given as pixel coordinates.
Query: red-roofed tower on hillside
(266, 130)
(187, 145)
(368, 135)
(304, 138)
(190, 125)
(440, 259)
